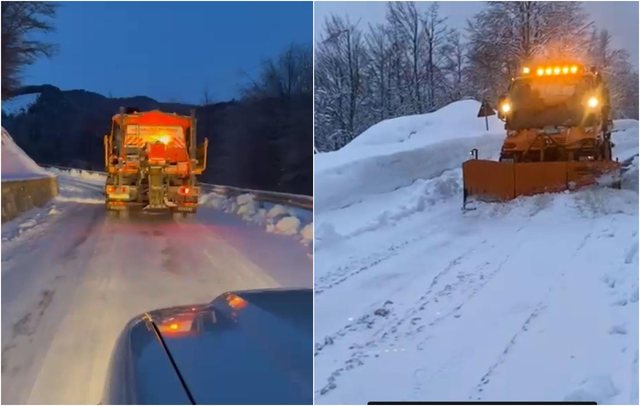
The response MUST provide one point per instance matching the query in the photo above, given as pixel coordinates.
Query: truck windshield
(139, 135)
(554, 101)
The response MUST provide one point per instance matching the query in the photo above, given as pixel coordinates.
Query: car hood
(245, 347)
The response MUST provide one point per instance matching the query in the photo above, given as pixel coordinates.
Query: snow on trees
(414, 63)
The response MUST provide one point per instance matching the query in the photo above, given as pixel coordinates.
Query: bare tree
(206, 97)
(20, 22)
(378, 69)
(507, 34)
(339, 75)
(288, 75)
(404, 20)
(434, 30)
(614, 65)
(453, 53)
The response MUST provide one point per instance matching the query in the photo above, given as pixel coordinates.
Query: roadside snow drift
(276, 218)
(16, 164)
(395, 153)
(535, 299)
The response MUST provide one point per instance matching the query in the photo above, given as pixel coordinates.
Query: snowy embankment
(534, 299)
(19, 104)
(16, 164)
(396, 153)
(276, 218)
(24, 184)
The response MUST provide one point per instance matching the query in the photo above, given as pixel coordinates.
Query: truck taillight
(184, 190)
(115, 189)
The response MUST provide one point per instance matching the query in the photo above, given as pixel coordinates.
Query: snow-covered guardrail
(288, 199)
(301, 201)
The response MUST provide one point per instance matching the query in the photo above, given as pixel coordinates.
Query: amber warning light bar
(550, 70)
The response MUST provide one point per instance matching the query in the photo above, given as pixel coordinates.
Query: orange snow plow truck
(152, 162)
(558, 123)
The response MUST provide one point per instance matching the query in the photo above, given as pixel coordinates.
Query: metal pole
(192, 136)
(192, 146)
(120, 142)
(486, 122)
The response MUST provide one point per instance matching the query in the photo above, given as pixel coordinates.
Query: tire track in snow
(524, 327)
(389, 329)
(344, 273)
(383, 334)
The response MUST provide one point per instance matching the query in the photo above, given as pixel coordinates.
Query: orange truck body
(152, 161)
(542, 155)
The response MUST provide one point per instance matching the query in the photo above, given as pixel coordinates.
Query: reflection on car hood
(249, 347)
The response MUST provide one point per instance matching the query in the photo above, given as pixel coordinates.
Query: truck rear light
(116, 189)
(184, 190)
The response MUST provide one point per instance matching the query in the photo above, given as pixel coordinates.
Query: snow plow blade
(502, 181)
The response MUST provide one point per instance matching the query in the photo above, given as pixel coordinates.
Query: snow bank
(19, 104)
(275, 218)
(395, 153)
(16, 164)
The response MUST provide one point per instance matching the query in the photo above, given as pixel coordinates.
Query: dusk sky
(169, 51)
(620, 18)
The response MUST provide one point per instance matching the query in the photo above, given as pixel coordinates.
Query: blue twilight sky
(169, 51)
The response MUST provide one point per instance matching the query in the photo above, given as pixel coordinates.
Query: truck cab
(556, 112)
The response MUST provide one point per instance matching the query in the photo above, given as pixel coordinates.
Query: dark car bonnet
(251, 347)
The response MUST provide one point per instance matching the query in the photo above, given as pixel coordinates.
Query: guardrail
(301, 201)
(289, 199)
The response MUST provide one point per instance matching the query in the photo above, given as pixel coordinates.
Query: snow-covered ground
(19, 104)
(535, 299)
(16, 164)
(275, 218)
(72, 277)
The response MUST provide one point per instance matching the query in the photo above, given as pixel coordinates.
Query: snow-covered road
(73, 276)
(535, 299)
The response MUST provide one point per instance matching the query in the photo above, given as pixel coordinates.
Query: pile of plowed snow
(276, 218)
(395, 153)
(16, 164)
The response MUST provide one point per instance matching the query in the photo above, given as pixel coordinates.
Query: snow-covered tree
(404, 21)
(614, 65)
(413, 63)
(507, 34)
(340, 63)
